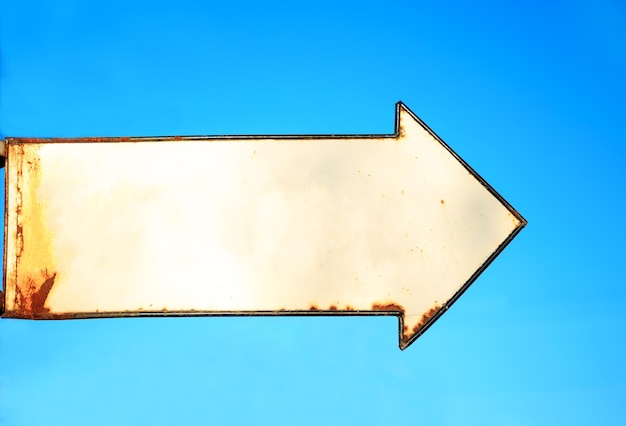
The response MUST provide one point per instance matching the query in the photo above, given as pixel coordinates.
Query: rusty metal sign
(248, 225)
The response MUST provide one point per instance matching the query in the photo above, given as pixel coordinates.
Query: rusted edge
(388, 307)
(29, 284)
(426, 317)
(5, 239)
(47, 315)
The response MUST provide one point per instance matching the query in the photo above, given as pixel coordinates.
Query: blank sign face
(350, 225)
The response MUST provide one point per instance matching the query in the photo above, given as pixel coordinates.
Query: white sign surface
(350, 225)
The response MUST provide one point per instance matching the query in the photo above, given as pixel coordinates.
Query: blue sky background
(530, 94)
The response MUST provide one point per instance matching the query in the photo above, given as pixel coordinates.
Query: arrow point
(404, 118)
(413, 326)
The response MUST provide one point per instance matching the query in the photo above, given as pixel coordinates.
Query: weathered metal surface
(276, 225)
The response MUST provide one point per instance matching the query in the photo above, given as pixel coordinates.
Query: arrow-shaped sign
(248, 225)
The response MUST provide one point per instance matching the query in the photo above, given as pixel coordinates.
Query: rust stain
(426, 317)
(30, 299)
(34, 260)
(389, 307)
(19, 234)
(314, 308)
(349, 308)
(38, 299)
(333, 308)
(405, 334)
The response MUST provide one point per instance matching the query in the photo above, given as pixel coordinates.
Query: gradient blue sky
(530, 94)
